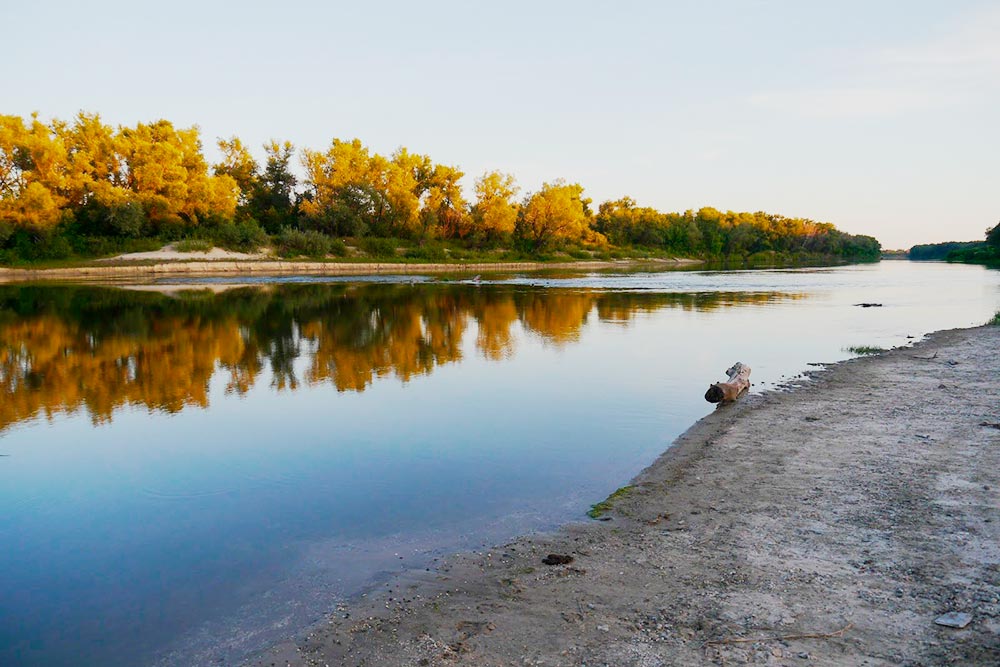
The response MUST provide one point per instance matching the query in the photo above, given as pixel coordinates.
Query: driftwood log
(731, 389)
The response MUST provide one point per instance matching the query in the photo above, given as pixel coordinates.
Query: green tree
(272, 200)
(993, 237)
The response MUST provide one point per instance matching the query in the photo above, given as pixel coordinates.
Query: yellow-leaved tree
(494, 214)
(444, 211)
(168, 173)
(95, 170)
(557, 212)
(96, 182)
(352, 191)
(238, 164)
(32, 173)
(339, 192)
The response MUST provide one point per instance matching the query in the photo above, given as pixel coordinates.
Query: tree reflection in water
(70, 348)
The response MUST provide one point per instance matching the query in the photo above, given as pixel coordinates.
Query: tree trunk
(736, 386)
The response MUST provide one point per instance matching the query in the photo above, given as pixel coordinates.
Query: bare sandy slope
(170, 253)
(860, 506)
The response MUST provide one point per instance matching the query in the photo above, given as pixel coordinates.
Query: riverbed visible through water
(192, 470)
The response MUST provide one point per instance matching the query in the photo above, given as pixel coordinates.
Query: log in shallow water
(737, 384)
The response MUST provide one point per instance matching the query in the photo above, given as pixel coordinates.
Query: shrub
(514, 255)
(295, 242)
(127, 219)
(33, 245)
(99, 246)
(57, 247)
(379, 247)
(338, 248)
(245, 236)
(171, 229)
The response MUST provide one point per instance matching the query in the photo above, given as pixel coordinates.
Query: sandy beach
(218, 262)
(829, 523)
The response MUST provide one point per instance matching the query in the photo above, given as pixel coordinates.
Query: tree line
(971, 252)
(85, 188)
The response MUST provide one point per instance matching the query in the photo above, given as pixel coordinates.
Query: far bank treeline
(972, 252)
(84, 188)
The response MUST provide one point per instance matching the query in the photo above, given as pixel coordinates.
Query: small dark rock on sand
(557, 559)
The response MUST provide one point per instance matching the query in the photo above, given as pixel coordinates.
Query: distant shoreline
(278, 267)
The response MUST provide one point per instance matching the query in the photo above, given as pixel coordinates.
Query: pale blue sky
(881, 117)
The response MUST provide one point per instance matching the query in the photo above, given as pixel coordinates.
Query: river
(193, 470)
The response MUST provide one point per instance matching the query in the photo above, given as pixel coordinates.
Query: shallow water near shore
(192, 474)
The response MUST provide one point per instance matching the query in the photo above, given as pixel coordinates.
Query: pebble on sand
(954, 619)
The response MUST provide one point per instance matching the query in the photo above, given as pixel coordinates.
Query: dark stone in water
(557, 559)
(869, 305)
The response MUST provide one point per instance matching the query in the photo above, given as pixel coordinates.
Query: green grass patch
(864, 349)
(194, 245)
(427, 252)
(600, 508)
(996, 320)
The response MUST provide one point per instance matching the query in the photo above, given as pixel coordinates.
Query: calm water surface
(191, 472)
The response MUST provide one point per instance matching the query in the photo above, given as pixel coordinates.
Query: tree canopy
(79, 185)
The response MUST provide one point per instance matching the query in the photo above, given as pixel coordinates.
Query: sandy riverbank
(826, 525)
(263, 267)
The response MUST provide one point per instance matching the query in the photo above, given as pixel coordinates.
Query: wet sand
(829, 524)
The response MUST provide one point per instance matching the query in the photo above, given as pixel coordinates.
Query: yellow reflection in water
(70, 348)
